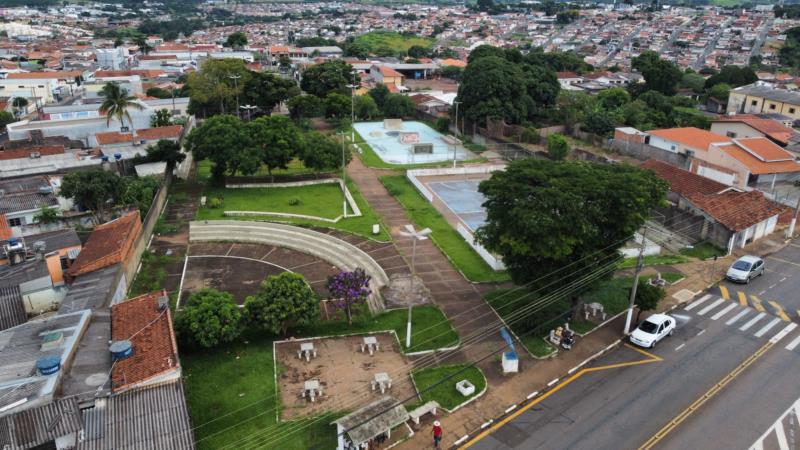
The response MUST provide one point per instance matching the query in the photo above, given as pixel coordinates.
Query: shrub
(215, 202)
(295, 202)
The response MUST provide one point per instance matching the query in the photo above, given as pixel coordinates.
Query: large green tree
(330, 76)
(277, 139)
(733, 76)
(398, 106)
(337, 105)
(208, 318)
(492, 87)
(139, 192)
(379, 94)
(236, 40)
(322, 153)
(166, 151)
(267, 90)
(659, 74)
(365, 107)
(557, 146)
(213, 89)
(544, 215)
(305, 107)
(96, 189)
(284, 301)
(225, 141)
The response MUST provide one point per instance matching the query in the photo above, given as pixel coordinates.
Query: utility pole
(420, 235)
(639, 264)
(456, 124)
(235, 79)
(353, 108)
(793, 223)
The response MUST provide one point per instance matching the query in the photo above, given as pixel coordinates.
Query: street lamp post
(248, 108)
(344, 180)
(456, 103)
(353, 108)
(420, 235)
(235, 79)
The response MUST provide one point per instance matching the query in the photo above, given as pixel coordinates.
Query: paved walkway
(460, 300)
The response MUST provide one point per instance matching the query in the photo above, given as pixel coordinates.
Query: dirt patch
(344, 373)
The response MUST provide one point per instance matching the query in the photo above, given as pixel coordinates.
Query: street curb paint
(462, 439)
(552, 382)
(486, 424)
(511, 408)
(532, 394)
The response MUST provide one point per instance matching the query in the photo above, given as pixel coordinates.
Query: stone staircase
(331, 249)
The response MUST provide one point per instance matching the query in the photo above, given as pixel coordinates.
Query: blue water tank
(117, 156)
(48, 365)
(121, 350)
(104, 158)
(12, 242)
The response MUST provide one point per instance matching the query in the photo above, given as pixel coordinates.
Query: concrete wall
(738, 129)
(148, 224)
(644, 152)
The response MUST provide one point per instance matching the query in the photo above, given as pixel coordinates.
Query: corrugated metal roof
(152, 417)
(373, 419)
(26, 202)
(36, 426)
(12, 310)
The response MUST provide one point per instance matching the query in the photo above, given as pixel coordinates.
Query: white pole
(639, 264)
(413, 275)
(344, 181)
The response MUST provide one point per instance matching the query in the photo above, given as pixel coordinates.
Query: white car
(745, 269)
(652, 330)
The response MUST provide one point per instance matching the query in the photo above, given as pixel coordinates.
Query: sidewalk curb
(535, 394)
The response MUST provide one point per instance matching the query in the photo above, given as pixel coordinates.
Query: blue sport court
(463, 198)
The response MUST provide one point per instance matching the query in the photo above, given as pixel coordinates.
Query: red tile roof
(5, 231)
(682, 181)
(690, 137)
(737, 210)
(772, 128)
(44, 150)
(764, 149)
(389, 72)
(109, 244)
(146, 134)
(149, 329)
(144, 73)
(758, 166)
(43, 75)
(561, 75)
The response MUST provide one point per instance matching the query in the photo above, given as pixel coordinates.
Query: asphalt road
(777, 291)
(720, 348)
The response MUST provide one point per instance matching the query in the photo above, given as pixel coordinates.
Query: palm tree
(19, 104)
(141, 42)
(116, 105)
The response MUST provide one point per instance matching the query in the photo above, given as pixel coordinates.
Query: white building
(112, 58)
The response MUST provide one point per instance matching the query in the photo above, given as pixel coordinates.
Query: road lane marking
(742, 298)
(699, 302)
(757, 303)
(724, 291)
(793, 344)
(767, 327)
(779, 310)
(708, 308)
(651, 358)
(737, 317)
(727, 379)
(680, 346)
(752, 321)
(723, 312)
(784, 261)
(782, 444)
(782, 334)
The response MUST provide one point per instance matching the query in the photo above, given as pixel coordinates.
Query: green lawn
(321, 200)
(241, 376)
(376, 40)
(444, 236)
(238, 380)
(439, 383)
(430, 329)
(654, 260)
(704, 250)
(613, 294)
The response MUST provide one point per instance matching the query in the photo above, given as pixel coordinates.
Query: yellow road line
(680, 418)
(779, 310)
(742, 298)
(757, 304)
(651, 358)
(724, 291)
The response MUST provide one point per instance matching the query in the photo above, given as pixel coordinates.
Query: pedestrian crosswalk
(758, 304)
(748, 318)
(781, 435)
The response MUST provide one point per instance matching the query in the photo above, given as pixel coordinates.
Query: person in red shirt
(437, 434)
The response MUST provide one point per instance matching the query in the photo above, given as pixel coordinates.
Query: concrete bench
(429, 407)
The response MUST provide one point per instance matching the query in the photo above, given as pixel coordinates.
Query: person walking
(437, 434)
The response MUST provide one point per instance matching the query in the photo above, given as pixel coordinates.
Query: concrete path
(459, 299)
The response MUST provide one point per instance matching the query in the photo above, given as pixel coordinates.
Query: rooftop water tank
(121, 350)
(117, 156)
(48, 365)
(104, 158)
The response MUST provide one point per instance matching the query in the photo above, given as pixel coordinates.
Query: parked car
(652, 330)
(745, 269)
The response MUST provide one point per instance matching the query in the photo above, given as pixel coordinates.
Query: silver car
(745, 269)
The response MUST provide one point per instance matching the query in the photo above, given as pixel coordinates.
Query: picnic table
(382, 381)
(370, 343)
(307, 350)
(312, 389)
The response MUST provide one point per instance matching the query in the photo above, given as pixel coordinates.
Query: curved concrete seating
(334, 250)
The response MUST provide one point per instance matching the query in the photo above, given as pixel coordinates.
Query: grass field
(463, 257)
(654, 260)
(318, 200)
(231, 390)
(377, 40)
(152, 273)
(295, 167)
(439, 383)
(703, 250)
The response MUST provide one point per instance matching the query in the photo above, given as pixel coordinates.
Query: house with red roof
(143, 137)
(110, 243)
(726, 216)
(750, 125)
(387, 76)
(747, 162)
(145, 324)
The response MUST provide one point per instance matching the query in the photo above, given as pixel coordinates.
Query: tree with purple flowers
(348, 289)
